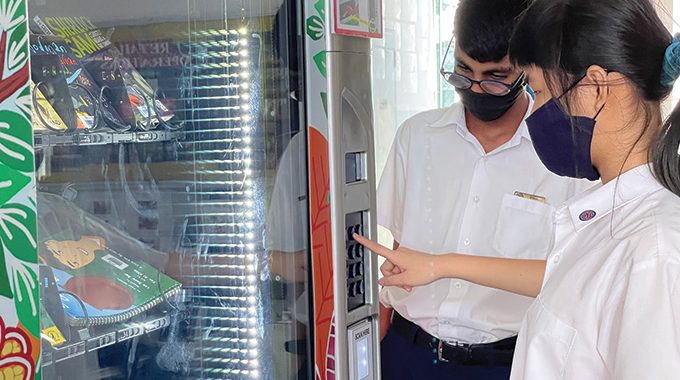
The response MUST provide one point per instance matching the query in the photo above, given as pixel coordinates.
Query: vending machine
(180, 182)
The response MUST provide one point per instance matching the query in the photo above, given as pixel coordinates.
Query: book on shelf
(102, 274)
(132, 96)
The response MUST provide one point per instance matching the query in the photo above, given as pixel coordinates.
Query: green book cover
(100, 272)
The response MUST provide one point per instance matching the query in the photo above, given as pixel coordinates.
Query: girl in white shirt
(608, 297)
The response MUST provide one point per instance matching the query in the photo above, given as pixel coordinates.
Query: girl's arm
(519, 276)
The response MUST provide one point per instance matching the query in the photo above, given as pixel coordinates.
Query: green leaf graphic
(26, 296)
(17, 47)
(320, 60)
(16, 149)
(320, 7)
(5, 289)
(11, 182)
(12, 13)
(17, 225)
(24, 101)
(315, 29)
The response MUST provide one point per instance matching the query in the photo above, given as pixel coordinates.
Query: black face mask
(487, 107)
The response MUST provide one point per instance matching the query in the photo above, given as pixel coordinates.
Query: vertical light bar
(221, 142)
(251, 268)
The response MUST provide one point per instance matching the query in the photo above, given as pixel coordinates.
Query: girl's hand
(405, 268)
(388, 269)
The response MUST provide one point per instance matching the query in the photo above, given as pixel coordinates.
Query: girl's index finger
(378, 249)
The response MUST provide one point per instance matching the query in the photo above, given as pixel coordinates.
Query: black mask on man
(487, 107)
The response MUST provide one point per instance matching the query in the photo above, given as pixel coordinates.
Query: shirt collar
(455, 115)
(601, 200)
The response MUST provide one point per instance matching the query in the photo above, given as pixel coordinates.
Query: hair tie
(671, 63)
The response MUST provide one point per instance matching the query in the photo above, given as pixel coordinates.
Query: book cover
(44, 114)
(99, 285)
(84, 91)
(134, 99)
(103, 276)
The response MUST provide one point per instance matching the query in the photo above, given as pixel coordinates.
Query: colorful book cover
(47, 112)
(99, 285)
(47, 74)
(85, 93)
(133, 97)
(103, 276)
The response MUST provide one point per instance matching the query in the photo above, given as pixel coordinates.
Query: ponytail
(665, 150)
(665, 153)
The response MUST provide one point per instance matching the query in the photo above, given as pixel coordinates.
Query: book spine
(99, 321)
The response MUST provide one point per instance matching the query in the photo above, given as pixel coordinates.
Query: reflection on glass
(172, 190)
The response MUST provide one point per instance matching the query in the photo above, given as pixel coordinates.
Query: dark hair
(565, 37)
(483, 27)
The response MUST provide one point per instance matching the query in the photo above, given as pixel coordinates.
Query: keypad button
(351, 252)
(358, 251)
(352, 291)
(358, 270)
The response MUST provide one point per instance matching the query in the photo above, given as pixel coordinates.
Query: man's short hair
(483, 27)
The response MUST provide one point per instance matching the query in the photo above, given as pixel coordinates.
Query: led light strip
(223, 224)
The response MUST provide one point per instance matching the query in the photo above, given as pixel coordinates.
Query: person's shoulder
(438, 116)
(648, 228)
(422, 122)
(666, 213)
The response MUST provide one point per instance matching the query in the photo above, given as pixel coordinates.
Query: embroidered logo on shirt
(587, 215)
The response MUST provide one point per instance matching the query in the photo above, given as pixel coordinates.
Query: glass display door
(171, 189)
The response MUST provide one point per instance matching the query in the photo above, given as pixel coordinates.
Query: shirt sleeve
(391, 189)
(640, 330)
(384, 298)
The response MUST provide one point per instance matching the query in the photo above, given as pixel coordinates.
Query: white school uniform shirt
(440, 192)
(610, 303)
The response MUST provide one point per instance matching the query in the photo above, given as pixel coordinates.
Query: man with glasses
(466, 179)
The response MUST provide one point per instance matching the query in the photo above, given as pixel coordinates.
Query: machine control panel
(355, 263)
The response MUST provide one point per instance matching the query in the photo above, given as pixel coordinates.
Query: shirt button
(475, 199)
(556, 258)
(458, 285)
(467, 241)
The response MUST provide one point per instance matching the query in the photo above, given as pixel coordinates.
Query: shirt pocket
(548, 345)
(524, 228)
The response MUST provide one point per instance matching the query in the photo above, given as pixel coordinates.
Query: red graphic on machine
(16, 362)
(15, 81)
(322, 256)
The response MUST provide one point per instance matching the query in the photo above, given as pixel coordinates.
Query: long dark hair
(565, 37)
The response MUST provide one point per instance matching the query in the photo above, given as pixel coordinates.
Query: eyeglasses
(491, 87)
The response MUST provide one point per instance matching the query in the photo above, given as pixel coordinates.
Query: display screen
(363, 358)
